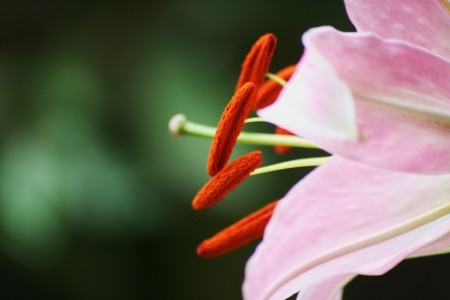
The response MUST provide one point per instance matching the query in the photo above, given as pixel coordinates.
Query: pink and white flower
(379, 101)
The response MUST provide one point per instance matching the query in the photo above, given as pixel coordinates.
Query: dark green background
(94, 193)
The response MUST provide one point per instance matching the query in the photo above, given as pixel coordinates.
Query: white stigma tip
(175, 124)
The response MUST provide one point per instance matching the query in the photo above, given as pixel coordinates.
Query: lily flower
(379, 101)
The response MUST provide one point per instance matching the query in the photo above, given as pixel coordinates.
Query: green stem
(276, 78)
(179, 125)
(297, 163)
(255, 120)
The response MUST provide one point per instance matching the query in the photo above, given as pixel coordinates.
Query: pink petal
(333, 107)
(327, 289)
(401, 95)
(346, 218)
(440, 246)
(333, 286)
(425, 23)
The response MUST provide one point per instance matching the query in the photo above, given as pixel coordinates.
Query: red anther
(282, 149)
(270, 89)
(229, 127)
(226, 180)
(237, 235)
(257, 61)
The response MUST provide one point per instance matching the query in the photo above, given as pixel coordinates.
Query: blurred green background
(94, 192)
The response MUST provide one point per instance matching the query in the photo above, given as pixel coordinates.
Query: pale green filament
(255, 120)
(179, 125)
(276, 78)
(297, 163)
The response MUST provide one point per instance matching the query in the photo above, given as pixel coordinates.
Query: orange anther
(237, 235)
(227, 179)
(282, 149)
(269, 90)
(257, 61)
(229, 127)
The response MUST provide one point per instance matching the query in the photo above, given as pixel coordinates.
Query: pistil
(179, 126)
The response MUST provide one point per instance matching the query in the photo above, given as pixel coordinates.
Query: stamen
(280, 149)
(255, 120)
(271, 88)
(179, 125)
(237, 235)
(276, 78)
(296, 163)
(226, 180)
(257, 61)
(230, 125)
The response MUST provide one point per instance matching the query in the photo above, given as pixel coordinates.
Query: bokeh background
(94, 192)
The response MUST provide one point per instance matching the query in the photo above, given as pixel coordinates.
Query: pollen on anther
(229, 127)
(257, 61)
(227, 180)
(237, 235)
(270, 89)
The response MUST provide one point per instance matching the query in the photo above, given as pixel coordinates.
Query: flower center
(252, 93)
